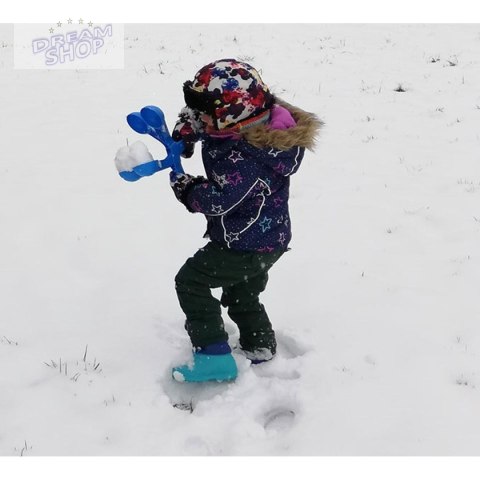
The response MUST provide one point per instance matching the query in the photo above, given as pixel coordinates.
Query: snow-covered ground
(376, 306)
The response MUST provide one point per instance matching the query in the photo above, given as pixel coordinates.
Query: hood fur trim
(304, 134)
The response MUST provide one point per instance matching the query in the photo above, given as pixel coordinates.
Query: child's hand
(188, 129)
(181, 183)
(189, 145)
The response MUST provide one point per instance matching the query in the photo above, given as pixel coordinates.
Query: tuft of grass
(400, 88)
(24, 449)
(186, 406)
(471, 186)
(452, 62)
(7, 341)
(108, 402)
(247, 59)
(86, 367)
(462, 381)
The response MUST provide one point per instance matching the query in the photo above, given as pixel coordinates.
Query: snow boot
(260, 355)
(212, 363)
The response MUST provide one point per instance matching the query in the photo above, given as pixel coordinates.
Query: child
(251, 144)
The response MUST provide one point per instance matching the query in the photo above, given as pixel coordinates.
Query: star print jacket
(246, 190)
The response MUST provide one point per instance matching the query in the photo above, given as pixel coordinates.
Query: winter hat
(232, 92)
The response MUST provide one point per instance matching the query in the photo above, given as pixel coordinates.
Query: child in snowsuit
(251, 144)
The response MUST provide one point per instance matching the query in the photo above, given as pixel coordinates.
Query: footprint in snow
(285, 366)
(290, 347)
(279, 419)
(279, 368)
(186, 396)
(197, 446)
(287, 363)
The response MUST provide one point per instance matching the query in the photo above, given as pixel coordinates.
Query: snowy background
(376, 307)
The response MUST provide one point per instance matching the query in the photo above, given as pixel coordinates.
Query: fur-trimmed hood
(304, 134)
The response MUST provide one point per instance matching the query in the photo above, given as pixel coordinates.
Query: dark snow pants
(242, 277)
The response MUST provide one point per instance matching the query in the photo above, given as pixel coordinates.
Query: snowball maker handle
(151, 121)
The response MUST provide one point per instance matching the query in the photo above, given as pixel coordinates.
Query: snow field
(375, 307)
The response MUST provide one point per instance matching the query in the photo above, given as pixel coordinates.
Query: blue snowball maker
(129, 176)
(151, 121)
(147, 169)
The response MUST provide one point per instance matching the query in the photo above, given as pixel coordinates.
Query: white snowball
(129, 157)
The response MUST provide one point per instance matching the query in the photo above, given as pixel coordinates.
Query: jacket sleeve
(226, 190)
(286, 162)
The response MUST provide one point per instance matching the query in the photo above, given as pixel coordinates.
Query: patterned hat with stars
(231, 92)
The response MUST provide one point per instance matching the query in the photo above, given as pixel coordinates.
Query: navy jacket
(245, 195)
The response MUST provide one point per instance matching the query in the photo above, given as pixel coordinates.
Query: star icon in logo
(80, 21)
(51, 30)
(69, 21)
(59, 24)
